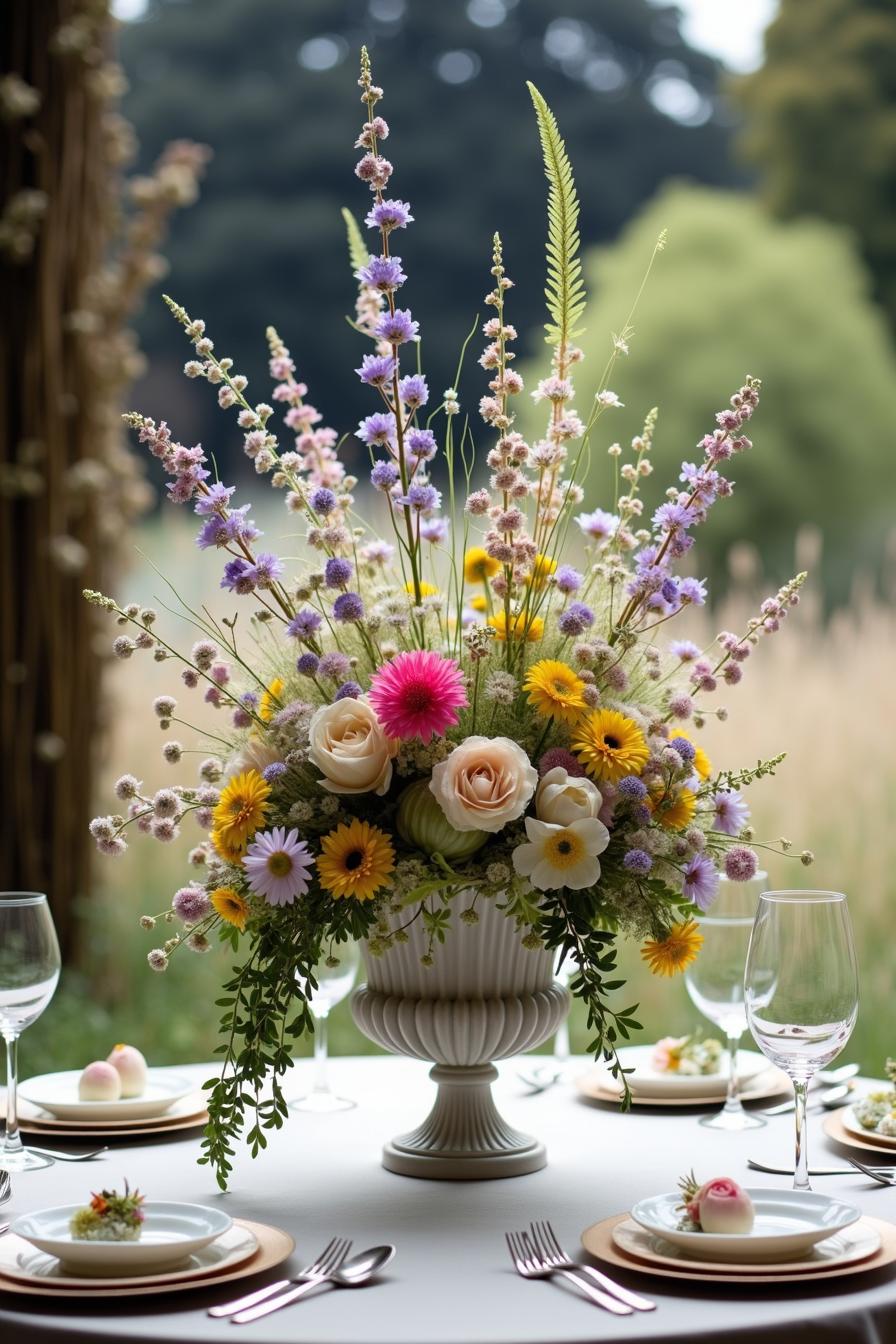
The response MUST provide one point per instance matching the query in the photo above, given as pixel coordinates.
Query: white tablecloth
(451, 1281)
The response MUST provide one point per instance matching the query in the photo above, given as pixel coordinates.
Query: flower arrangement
(452, 712)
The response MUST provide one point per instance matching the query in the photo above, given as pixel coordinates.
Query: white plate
(844, 1248)
(58, 1094)
(788, 1223)
(650, 1082)
(848, 1116)
(171, 1234)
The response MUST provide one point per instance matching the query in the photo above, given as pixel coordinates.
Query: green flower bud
(422, 822)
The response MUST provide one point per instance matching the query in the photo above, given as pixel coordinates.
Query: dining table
(451, 1281)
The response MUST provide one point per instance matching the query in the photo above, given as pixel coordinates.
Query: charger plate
(33, 1118)
(771, 1083)
(599, 1241)
(274, 1246)
(835, 1129)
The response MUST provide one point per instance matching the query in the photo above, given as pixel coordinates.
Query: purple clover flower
(686, 749)
(413, 390)
(377, 428)
(638, 861)
(434, 530)
(323, 501)
(575, 620)
(632, 787)
(685, 649)
(349, 690)
(693, 591)
(421, 498)
(305, 624)
(307, 664)
(337, 572)
(215, 497)
(238, 576)
(382, 273)
(348, 607)
(397, 327)
(266, 570)
(276, 770)
(740, 864)
(384, 475)
(422, 444)
(377, 370)
(389, 215)
(335, 665)
(568, 580)
(598, 524)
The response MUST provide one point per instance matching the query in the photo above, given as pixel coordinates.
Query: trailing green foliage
(564, 287)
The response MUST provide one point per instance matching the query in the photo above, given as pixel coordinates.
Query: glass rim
(807, 895)
(17, 898)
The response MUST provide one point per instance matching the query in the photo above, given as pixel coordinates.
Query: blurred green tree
(271, 87)
(821, 122)
(735, 292)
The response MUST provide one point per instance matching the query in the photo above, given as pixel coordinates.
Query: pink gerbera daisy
(418, 694)
(279, 865)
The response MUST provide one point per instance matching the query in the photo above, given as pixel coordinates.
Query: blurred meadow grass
(821, 690)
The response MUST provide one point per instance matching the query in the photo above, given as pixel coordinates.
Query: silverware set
(537, 1254)
(878, 1173)
(331, 1268)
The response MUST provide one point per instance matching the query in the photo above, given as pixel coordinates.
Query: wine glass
(715, 983)
(335, 974)
(801, 991)
(29, 973)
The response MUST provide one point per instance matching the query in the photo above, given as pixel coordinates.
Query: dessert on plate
(109, 1217)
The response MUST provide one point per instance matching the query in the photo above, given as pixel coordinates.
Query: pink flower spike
(418, 694)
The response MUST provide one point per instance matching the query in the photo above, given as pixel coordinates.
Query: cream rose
(349, 747)
(561, 799)
(485, 783)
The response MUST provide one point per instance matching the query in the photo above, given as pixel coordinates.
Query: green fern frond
(358, 252)
(564, 287)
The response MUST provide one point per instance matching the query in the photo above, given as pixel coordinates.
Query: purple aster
(238, 577)
(672, 517)
(237, 527)
(377, 370)
(693, 591)
(307, 664)
(638, 861)
(382, 273)
(421, 498)
(305, 624)
(732, 811)
(669, 590)
(576, 619)
(598, 524)
(389, 215)
(212, 533)
(700, 881)
(740, 864)
(323, 501)
(397, 327)
(191, 904)
(335, 665)
(413, 390)
(384, 475)
(348, 607)
(686, 750)
(337, 572)
(422, 443)
(685, 649)
(276, 770)
(377, 428)
(434, 530)
(632, 787)
(349, 690)
(278, 865)
(215, 497)
(266, 570)
(568, 580)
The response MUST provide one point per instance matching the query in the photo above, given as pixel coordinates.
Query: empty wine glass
(715, 983)
(335, 974)
(29, 973)
(801, 990)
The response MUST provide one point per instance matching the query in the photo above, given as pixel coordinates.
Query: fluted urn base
(464, 1137)
(487, 997)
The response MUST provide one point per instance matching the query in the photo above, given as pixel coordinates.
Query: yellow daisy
(676, 951)
(242, 808)
(426, 589)
(356, 860)
(231, 906)
(555, 690)
(542, 570)
(533, 629)
(231, 851)
(478, 603)
(702, 763)
(479, 565)
(270, 700)
(609, 745)
(673, 810)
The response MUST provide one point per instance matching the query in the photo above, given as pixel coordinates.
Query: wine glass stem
(561, 1042)
(12, 1143)
(732, 1098)
(801, 1159)
(321, 1082)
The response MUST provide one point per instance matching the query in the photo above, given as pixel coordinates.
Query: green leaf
(564, 287)
(358, 251)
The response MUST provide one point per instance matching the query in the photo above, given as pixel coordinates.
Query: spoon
(828, 1077)
(828, 1101)
(355, 1272)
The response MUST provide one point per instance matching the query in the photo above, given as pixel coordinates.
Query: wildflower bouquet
(449, 712)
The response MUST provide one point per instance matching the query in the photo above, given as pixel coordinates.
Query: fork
(874, 1174)
(68, 1157)
(545, 1239)
(531, 1266)
(813, 1171)
(330, 1258)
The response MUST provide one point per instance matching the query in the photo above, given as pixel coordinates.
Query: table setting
(459, 766)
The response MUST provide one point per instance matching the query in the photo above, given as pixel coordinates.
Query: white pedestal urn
(486, 997)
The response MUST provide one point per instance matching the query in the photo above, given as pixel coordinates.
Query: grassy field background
(821, 690)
